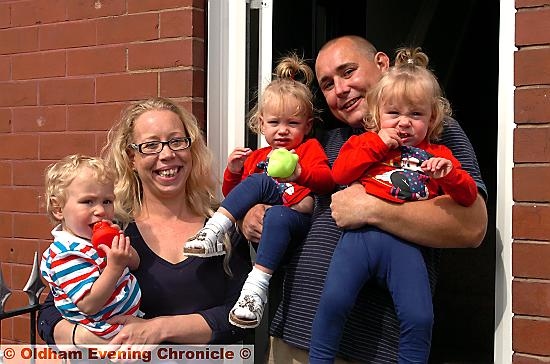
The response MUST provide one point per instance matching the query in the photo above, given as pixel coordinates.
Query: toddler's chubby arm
(313, 169)
(359, 153)
(119, 256)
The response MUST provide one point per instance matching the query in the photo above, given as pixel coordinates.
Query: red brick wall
(67, 68)
(531, 187)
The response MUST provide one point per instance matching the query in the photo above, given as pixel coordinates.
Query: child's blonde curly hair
(59, 175)
(410, 80)
(292, 78)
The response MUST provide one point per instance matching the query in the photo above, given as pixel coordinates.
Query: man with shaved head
(346, 68)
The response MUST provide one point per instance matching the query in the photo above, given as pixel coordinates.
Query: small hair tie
(410, 61)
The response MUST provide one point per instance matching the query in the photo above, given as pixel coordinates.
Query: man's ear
(57, 209)
(382, 61)
(309, 125)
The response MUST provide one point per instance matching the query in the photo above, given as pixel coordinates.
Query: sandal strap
(250, 288)
(252, 302)
(209, 245)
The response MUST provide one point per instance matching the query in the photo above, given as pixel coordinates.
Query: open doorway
(461, 39)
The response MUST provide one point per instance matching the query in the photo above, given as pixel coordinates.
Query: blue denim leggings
(281, 224)
(365, 254)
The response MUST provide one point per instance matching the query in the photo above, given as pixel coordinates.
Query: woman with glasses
(166, 188)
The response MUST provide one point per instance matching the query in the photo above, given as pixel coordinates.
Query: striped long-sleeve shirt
(71, 265)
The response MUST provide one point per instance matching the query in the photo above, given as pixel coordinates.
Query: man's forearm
(438, 223)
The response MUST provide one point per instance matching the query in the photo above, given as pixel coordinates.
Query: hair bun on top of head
(409, 56)
(294, 68)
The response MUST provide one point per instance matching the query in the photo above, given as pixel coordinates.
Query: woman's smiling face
(165, 173)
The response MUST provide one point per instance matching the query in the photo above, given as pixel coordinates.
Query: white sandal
(206, 243)
(252, 300)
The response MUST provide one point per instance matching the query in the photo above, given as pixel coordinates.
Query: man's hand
(252, 224)
(353, 208)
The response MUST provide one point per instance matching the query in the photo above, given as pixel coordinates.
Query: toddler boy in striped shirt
(88, 287)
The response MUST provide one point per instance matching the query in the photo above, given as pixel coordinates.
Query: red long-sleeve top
(367, 159)
(315, 177)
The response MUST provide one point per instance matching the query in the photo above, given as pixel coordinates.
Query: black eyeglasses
(155, 147)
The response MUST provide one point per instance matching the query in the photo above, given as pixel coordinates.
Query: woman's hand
(136, 331)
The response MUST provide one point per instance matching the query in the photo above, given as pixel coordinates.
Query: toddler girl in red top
(395, 160)
(284, 115)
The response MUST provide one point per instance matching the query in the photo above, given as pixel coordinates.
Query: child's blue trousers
(365, 254)
(281, 224)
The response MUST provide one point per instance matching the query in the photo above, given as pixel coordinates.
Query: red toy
(103, 233)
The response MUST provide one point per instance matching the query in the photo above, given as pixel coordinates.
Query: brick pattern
(67, 69)
(531, 211)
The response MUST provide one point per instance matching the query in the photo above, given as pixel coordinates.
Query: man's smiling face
(345, 74)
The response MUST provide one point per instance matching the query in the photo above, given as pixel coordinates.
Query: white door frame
(226, 73)
(226, 77)
(503, 275)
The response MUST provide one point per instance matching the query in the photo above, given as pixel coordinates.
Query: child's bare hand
(235, 161)
(294, 176)
(437, 167)
(133, 264)
(297, 170)
(120, 253)
(390, 137)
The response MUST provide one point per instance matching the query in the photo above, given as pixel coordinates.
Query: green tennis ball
(282, 163)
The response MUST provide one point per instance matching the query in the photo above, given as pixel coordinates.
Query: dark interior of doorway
(461, 39)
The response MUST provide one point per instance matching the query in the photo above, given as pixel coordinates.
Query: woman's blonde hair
(200, 186)
(59, 175)
(408, 79)
(292, 77)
